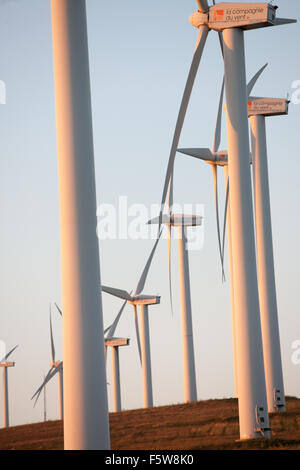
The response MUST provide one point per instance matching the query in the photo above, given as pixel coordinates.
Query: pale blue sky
(140, 54)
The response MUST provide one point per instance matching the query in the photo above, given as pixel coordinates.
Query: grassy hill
(211, 424)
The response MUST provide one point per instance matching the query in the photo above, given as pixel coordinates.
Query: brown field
(211, 424)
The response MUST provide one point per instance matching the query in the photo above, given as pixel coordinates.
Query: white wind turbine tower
(258, 110)
(56, 367)
(5, 365)
(86, 420)
(143, 301)
(253, 416)
(115, 343)
(216, 158)
(182, 221)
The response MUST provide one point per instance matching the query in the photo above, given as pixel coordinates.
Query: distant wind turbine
(56, 367)
(258, 110)
(144, 342)
(182, 221)
(5, 365)
(114, 343)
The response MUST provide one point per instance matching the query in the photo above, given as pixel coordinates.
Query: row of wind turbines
(257, 360)
(258, 108)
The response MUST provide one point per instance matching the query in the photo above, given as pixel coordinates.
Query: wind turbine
(182, 221)
(56, 367)
(115, 343)
(258, 110)
(232, 19)
(86, 420)
(143, 301)
(5, 365)
(254, 421)
(219, 158)
(216, 18)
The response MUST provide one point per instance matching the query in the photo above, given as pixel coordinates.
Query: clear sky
(140, 54)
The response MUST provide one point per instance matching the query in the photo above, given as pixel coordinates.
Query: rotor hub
(198, 19)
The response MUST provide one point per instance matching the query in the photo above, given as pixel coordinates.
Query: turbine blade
(202, 5)
(106, 329)
(52, 340)
(225, 219)
(59, 310)
(8, 354)
(38, 391)
(221, 41)
(281, 21)
(217, 136)
(171, 192)
(143, 278)
(254, 79)
(169, 229)
(113, 327)
(136, 321)
(215, 180)
(148, 297)
(52, 372)
(121, 294)
(201, 153)
(202, 36)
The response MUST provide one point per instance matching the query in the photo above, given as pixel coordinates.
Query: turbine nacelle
(116, 342)
(238, 15)
(145, 300)
(7, 364)
(132, 299)
(177, 220)
(267, 106)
